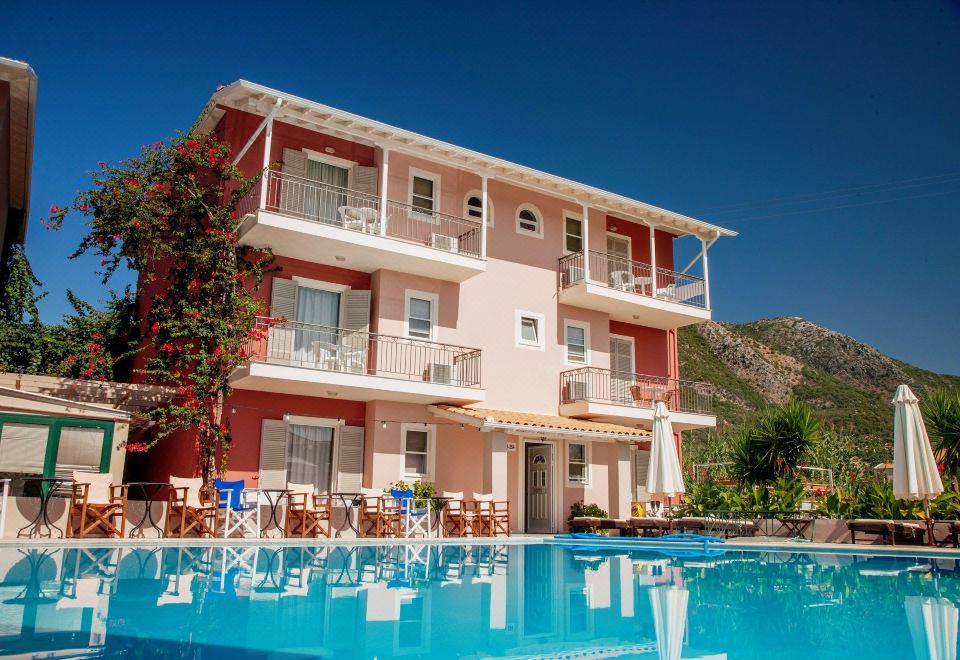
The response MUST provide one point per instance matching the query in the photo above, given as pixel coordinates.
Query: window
(573, 234)
(80, 449)
(473, 207)
(310, 453)
(53, 446)
(578, 341)
(423, 190)
(417, 450)
(23, 447)
(528, 221)
(577, 463)
(530, 329)
(421, 314)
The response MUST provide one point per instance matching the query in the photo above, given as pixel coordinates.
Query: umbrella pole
(929, 520)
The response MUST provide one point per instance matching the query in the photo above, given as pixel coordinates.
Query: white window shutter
(350, 459)
(283, 302)
(273, 454)
(641, 464)
(355, 346)
(292, 189)
(23, 447)
(365, 179)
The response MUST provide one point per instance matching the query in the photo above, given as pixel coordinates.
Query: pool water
(522, 600)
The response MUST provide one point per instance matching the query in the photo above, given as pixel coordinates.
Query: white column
(384, 183)
(586, 241)
(485, 203)
(653, 259)
(265, 177)
(706, 274)
(620, 480)
(495, 464)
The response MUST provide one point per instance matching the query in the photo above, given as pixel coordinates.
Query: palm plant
(774, 445)
(942, 413)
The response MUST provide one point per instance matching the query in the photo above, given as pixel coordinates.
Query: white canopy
(663, 474)
(915, 474)
(933, 627)
(669, 607)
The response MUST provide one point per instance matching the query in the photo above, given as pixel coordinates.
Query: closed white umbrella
(933, 627)
(669, 607)
(663, 473)
(915, 474)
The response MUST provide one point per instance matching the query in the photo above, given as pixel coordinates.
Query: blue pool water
(531, 600)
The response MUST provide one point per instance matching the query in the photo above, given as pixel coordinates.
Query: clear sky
(845, 114)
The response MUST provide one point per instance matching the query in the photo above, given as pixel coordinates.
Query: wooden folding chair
(308, 514)
(454, 520)
(95, 503)
(370, 521)
(191, 508)
(496, 522)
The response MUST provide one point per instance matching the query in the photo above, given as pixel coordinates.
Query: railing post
(586, 243)
(384, 182)
(484, 206)
(706, 275)
(653, 260)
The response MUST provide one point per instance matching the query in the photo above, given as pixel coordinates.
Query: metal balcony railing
(634, 277)
(634, 390)
(361, 212)
(349, 351)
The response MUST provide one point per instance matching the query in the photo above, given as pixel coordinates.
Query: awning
(520, 422)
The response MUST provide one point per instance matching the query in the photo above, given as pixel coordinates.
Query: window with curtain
(321, 202)
(310, 456)
(319, 312)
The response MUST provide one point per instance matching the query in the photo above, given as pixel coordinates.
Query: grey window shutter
(273, 454)
(283, 302)
(641, 465)
(292, 189)
(355, 340)
(350, 459)
(365, 179)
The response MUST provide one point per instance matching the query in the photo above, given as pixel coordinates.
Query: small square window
(529, 221)
(530, 329)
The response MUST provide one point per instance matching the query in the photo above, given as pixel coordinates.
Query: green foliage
(835, 504)
(171, 215)
(702, 496)
(941, 410)
(23, 341)
(773, 446)
(578, 509)
(873, 498)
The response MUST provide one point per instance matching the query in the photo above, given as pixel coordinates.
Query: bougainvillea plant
(171, 215)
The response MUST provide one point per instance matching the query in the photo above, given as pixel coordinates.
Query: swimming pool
(520, 600)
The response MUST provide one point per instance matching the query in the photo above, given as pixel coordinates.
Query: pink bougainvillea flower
(83, 208)
(155, 328)
(132, 182)
(54, 210)
(104, 262)
(102, 163)
(167, 348)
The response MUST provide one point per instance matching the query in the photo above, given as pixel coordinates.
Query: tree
(774, 445)
(170, 215)
(942, 413)
(22, 335)
(97, 344)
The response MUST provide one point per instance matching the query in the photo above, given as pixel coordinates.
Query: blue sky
(845, 113)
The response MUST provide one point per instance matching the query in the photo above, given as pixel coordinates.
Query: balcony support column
(495, 464)
(620, 481)
(484, 215)
(706, 274)
(586, 241)
(384, 183)
(653, 259)
(267, 147)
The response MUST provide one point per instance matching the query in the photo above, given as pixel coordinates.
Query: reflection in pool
(529, 600)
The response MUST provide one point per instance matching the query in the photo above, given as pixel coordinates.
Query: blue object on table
(231, 494)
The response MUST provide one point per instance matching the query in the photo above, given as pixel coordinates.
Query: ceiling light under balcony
(330, 150)
(339, 257)
(332, 393)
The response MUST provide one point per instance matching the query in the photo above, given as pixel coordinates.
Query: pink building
(452, 317)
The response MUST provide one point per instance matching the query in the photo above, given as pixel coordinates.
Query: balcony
(624, 289)
(321, 223)
(315, 360)
(629, 399)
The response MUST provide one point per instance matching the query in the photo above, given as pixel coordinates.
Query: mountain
(849, 383)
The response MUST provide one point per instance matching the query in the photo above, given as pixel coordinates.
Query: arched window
(529, 221)
(473, 207)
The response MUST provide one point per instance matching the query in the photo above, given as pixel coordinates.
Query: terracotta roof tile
(545, 422)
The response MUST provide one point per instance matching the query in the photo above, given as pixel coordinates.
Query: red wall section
(651, 347)
(294, 267)
(295, 137)
(639, 236)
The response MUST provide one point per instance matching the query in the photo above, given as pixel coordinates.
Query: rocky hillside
(753, 364)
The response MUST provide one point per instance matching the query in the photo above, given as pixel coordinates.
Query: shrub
(580, 510)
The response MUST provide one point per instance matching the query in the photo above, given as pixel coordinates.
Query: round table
(151, 490)
(438, 513)
(274, 504)
(48, 487)
(350, 502)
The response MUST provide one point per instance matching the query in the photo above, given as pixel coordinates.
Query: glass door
(318, 317)
(322, 202)
(621, 368)
(619, 268)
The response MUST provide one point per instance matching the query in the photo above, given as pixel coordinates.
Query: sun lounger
(649, 526)
(889, 530)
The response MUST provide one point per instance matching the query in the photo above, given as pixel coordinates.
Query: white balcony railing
(636, 390)
(361, 212)
(631, 276)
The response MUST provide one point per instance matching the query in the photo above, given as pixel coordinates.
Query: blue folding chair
(241, 508)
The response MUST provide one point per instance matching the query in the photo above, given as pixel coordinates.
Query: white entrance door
(621, 367)
(539, 486)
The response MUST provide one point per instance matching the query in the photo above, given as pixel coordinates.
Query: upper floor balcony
(322, 223)
(629, 398)
(630, 291)
(316, 360)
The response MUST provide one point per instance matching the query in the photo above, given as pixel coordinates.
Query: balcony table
(350, 502)
(438, 513)
(48, 487)
(151, 491)
(363, 216)
(274, 504)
